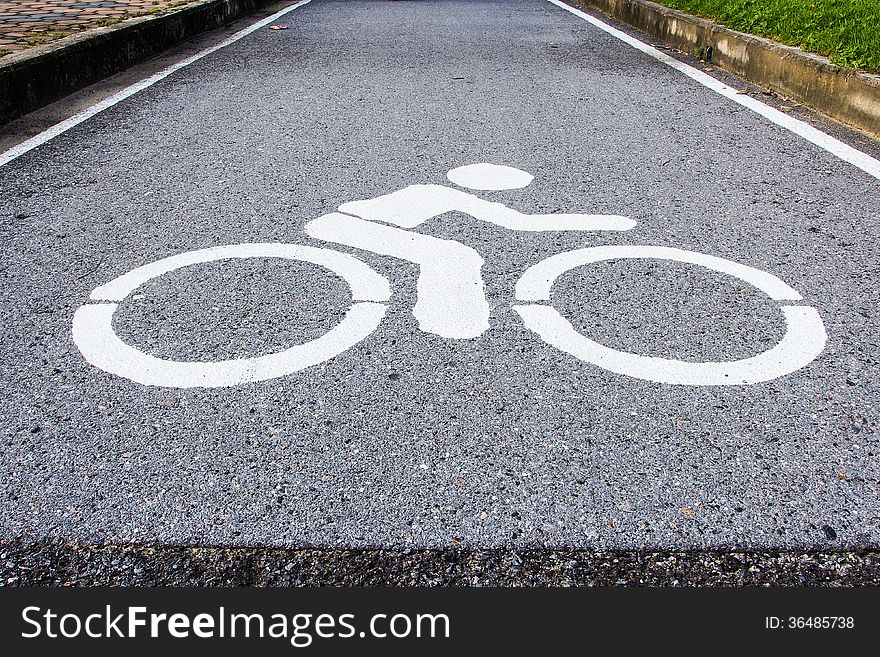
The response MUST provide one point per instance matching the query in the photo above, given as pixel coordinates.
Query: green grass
(846, 31)
(40, 37)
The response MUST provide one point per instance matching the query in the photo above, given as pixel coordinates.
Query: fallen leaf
(277, 27)
(687, 511)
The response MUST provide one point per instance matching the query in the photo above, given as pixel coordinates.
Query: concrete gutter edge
(849, 97)
(38, 76)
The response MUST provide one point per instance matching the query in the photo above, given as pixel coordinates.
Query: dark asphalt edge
(38, 76)
(69, 564)
(851, 97)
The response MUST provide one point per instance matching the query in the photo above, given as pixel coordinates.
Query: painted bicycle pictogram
(451, 300)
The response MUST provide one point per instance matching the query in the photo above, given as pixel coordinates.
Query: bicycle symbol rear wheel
(98, 342)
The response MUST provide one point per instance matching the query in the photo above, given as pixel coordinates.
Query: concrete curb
(849, 97)
(41, 75)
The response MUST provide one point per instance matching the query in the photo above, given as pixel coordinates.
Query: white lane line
(826, 142)
(76, 119)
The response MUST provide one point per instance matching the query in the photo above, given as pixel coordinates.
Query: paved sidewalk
(28, 23)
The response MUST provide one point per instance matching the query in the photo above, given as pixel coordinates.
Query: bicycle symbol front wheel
(98, 342)
(804, 339)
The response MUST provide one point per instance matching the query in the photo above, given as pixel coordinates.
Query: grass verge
(845, 31)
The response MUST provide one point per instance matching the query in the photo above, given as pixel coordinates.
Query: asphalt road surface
(417, 436)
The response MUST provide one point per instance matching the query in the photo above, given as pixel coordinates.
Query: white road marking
(97, 341)
(365, 283)
(489, 177)
(451, 300)
(99, 344)
(824, 141)
(804, 340)
(537, 281)
(118, 97)
(414, 205)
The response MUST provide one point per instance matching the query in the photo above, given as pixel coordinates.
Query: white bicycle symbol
(451, 299)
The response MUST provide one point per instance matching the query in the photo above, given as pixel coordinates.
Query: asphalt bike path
(433, 274)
